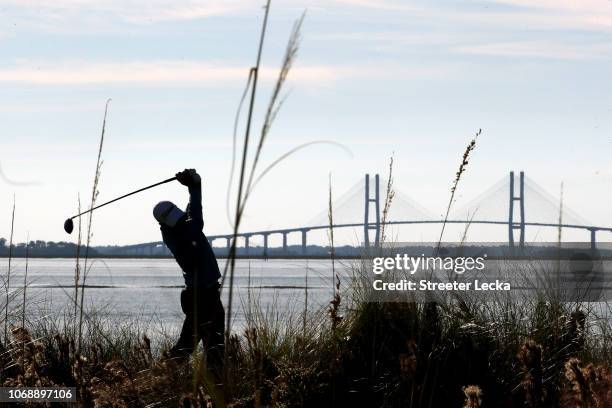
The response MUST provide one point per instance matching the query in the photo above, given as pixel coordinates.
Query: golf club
(69, 225)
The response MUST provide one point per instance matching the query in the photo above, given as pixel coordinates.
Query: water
(147, 290)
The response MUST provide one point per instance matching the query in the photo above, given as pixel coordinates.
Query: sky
(412, 79)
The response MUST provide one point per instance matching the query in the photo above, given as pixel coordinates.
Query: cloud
(388, 37)
(134, 11)
(87, 15)
(580, 6)
(51, 12)
(378, 4)
(161, 71)
(539, 49)
(168, 71)
(581, 14)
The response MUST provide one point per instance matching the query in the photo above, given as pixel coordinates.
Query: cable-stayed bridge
(515, 203)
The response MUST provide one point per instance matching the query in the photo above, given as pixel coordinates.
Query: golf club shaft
(123, 196)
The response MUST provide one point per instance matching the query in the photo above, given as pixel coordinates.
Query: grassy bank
(438, 354)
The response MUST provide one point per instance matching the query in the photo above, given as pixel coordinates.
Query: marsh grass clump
(530, 356)
(473, 396)
(108, 372)
(586, 386)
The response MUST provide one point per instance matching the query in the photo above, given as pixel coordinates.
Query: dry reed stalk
(560, 230)
(249, 300)
(334, 304)
(244, 189)
(8, 274)
(334, 307)
(77, 266)
(462, 168)
(305, 315)
(274, 106)
(466, 229)
(94, 196)
(25, 280)
(276, 101)
(330, 233)
(389, 195)
(231, 261)
(559, 243)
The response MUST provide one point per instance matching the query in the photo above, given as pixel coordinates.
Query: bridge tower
(512, 225)
(367, 224)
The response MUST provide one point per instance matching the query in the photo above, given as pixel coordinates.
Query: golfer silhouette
(200, 299)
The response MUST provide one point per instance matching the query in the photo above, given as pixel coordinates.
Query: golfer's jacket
(190, 246)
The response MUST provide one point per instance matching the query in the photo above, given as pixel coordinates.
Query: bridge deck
(304, 230)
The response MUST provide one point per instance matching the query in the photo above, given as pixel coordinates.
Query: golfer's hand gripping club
(188, 177)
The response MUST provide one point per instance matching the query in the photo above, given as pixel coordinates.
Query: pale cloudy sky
(413, 78)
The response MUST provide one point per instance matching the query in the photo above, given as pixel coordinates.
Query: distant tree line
(50, 249)
(42, 249)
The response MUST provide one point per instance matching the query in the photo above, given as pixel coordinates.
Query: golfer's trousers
(204, 320)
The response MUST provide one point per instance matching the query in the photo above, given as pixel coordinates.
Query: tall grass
(462, 168)
(507, 353)
(7, 283)
(246, 181)
(389, 196)
(94, 197)
(305, 311)
(25, 281)
(330, 232)
(77, 264)
(254, 72)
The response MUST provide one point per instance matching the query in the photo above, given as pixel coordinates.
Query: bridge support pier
(246, 244)
(265, 239)
(367, 225)
(284, 242)
(593, 239)
(521, 199)
(228, 242)
(304, 241)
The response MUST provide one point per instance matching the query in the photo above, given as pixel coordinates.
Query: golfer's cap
(165, 212)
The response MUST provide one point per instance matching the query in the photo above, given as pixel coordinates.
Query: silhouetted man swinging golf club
(200, 300)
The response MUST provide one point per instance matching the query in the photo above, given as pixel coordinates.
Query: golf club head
(68, 225)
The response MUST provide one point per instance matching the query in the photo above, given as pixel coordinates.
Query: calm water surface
(147, 290)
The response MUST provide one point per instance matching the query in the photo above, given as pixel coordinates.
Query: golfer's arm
(195, 204)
